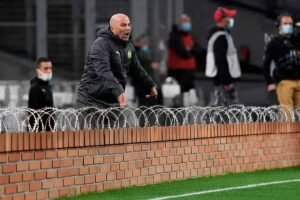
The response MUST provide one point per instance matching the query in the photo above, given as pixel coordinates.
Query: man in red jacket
(181, 54)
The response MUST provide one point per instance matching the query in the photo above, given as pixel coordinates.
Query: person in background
(111, 57)
(182, 52)
(41, 96)
(284, 50)
(222, 63)
(142, 46)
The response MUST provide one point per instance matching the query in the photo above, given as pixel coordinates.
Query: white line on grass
(226, 189)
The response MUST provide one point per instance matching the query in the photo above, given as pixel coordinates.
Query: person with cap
(284, 50)
(222, 63)
(182, 52)
(111, 57)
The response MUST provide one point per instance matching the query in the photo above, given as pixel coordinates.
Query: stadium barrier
(47, 165)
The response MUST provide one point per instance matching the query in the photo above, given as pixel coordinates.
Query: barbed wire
(54, 119)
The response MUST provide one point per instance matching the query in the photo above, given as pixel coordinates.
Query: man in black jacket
(41, 97)
(110, 58)
(284, 50)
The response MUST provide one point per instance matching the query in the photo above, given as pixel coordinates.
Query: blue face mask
(145, 48)
(287, 29)
(230, 23)
(186, 27)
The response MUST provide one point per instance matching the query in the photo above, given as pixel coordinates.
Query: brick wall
(48, 165)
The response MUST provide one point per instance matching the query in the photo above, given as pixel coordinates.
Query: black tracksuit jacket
(108, 63)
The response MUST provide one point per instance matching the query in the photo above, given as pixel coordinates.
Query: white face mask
(230, 23)
(44, 76)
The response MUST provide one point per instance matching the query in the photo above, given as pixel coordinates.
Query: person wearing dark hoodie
(41, 97)
(222, 63)
(111, 57)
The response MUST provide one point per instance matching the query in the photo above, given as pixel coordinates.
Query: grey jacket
(108, 63)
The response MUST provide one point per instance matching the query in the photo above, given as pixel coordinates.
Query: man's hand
(153, 93)
(122, 100)
(271, 87)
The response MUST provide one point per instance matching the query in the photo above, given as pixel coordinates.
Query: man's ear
(37, 71)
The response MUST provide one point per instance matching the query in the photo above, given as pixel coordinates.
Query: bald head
(120, 26)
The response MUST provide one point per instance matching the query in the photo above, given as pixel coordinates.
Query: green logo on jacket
(129, 54)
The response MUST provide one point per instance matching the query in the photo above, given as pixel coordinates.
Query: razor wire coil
(53, 119)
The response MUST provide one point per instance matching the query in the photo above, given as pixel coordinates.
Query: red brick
(23, 187)
(82, 152)
(108, 159)
(136, 173)
(15, 178)
(128, 156)
(117, 149)
(83, 171)
(105, 168)
(88, 161)
(56, 163)
(72, 152)
(93, 169)
(89, 179)
(157, 178)
(93, 151)
(78, 162)
(62, 153)
(118, 158)
(11, 189)
(79, 180)
(57, 183)
(4, 179)
(39, 155)
(8, 168)
(147, 163)
(99, 187)
(128, 174)
(53, 194)
(3, 157)
(98, 159)
(84, 188)
(42, 195)
(139, 164)
(167, 168)
(67, 162)
(111, 176)
(68, 181)
(108, 186)
(40, 175)
(123, 166)
(141, 180)
(30, 196)
(51, 154)
(120, 175)
(35, 165)
(48, 184)
(22, 167)
(19, 197)
(100, 177)
(13, 157)
(157, 153)
(163, 160)
(28, 176)
(46, 164)
(64, 192)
